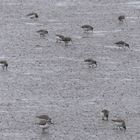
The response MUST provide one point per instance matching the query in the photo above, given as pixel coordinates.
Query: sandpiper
(121, 18)
(42, 32)
(32, 15)
(91, 62)
(87, 28)
(59, 37)
(45, 121)
(66, 40)
(45, 117)
(4, 64)
(120, 124)
(105, 114)
(122, 44)
(44, 124)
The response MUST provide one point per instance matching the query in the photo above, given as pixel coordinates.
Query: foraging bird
(4, 64)
(45, 121)
(120, 124)
(122, 44)
(42, 33)
(45, 117)
(32, 15)
(121, 18)
(44, 124)
(91, 62)
(66, 40)
(87, 28)
(59, 37)
(105, 114)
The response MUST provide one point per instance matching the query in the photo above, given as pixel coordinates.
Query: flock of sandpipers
(44, 120)
(61, 38)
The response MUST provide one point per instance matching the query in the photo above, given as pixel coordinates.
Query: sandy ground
(45, 77)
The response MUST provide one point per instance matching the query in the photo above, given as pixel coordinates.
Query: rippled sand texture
(45, 77)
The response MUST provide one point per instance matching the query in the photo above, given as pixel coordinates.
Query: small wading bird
(45, 122)
(32, 15)
(91, 62)
(122, 44)
(42, 33)
(59, 37)
(66, 40)
(121, 18)
(4, 64)
(105, 114)
(87, 28)
(120, 124)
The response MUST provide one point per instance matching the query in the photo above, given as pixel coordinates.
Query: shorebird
(120, 124)
(44, 124)
(91, 62)
(87, 28)
(122, 44)
(45, 121)
(45, 117)
(59, 37)
(66, 40)
(121, 18)
(4, 64)
(42, 32)
(105, 114)
(32, 15)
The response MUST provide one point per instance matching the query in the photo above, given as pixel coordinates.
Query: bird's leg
(72, 41)
(43, 130)
(66, 43)
(57, 40)
(107, 118)
(102, 117)
(3, 66)
(95, 67)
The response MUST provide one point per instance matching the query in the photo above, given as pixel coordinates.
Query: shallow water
(45, 77)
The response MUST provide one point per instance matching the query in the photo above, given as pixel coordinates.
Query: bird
(66, 40)
(42, 32)
(122, 44)
(45, 117)
(120, 124)
(32, 15)
(121, 18)
(87, 28)
(91, 62)
(44, 124)
(4, 64)
(59, 37)
(105, 114)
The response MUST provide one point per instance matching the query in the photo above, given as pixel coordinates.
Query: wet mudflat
(45, 77)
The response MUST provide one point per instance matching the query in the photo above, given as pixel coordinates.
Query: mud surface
(45, 77)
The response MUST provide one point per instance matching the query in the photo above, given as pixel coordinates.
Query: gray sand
(45, 77)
